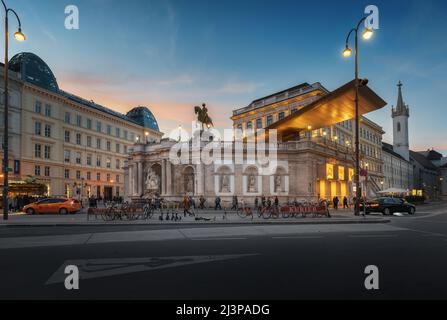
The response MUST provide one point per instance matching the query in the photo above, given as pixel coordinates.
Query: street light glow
(367, 33)
(347, 52)
(19, 36)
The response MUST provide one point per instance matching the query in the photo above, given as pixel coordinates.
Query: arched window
(398, 127)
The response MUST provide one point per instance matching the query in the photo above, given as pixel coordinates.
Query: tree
(202, 116)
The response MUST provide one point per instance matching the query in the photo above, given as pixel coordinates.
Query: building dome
(144, 117)
(34, 70)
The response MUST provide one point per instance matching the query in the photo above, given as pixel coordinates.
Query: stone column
(163, 177)
(140, 178)
(168, 178)
(130, 180)
(200, 179)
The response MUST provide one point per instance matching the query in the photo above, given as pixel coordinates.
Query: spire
(401, 108)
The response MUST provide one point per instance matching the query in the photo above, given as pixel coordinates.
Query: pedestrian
(335, 202)
(202, 202)
(256, 203)
(234, 205)
(217, 204)
(276, 202)
(345, 203)
(186, 205)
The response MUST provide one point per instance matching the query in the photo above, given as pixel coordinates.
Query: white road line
(373, 235)
(298, 237)
(216, 239)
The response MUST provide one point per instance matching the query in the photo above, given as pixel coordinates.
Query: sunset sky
(172, 55)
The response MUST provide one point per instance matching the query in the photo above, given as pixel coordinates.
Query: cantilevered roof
(335, 107)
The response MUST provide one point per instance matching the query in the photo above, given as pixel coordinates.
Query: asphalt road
(410, 253)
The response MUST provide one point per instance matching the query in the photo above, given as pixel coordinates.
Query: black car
(388, 206)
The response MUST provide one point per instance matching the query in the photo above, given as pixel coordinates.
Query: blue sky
(172, 55)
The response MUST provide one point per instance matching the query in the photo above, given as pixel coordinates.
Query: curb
(202, 223)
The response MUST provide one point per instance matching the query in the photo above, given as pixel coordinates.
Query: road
(230, 262)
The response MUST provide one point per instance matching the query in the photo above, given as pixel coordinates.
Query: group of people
(17, 203)
(336, 201)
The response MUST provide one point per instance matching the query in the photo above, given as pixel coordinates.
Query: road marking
(98, 268)
(428, 233)
(373, 235)
(216, 239)
(298, 237)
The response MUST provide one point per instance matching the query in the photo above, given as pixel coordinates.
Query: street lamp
(19, 36)
(366, 34)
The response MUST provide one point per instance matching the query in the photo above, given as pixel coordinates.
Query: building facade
(74, 146)
(265, 111)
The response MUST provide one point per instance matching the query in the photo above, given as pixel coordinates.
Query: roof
(144, 117)
(423, 161)
(431, 154)
(335, 107)
(444, 166)
(390, 149)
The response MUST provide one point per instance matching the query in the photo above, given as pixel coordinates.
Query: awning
(335, 107)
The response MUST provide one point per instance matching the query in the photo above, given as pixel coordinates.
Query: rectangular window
(67, 156)
(249, 125)
(117, 132)
(89, 175)
(48, 110)
(109, 129)
(89, 159)
(132, 137)
(78, 175)
(38, 151)
(269, 120)
(67, 136)
(47, 130)
(117, 164)
(98, 161)
(89, 141)
(108, 177)
(125, 149)
(37, 170)
(78, 120)
(125, 134)
(108, 146)
(98, 143)
(118, 148)
(118, 178)
(281, 115)
(37, 128)
(78, 157)
(98, 176)
(47, 171)
(89, 124)
(108, 163)
(78, 139)
(98, 126)
(293, 110)
(47, 152)
(67, 117)
(67, 174)
(38, 107)
(259, 123)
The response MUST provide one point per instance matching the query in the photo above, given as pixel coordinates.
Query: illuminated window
(350, 174)
(329, 171)
(341, 173)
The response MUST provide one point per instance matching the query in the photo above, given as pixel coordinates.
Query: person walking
(186, 205)
(217, 204)
(335, 202)
(256, 203)
(202, 202)
(345, 203)
(235, 204)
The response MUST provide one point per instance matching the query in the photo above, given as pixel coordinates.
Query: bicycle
(244, 212)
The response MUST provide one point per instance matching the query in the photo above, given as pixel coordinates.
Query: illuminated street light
(19, 36)
(366, 34)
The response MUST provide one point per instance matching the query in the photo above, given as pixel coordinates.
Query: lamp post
(366, 34)
(19, 36)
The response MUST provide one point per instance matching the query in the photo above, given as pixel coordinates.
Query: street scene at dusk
(203, 151)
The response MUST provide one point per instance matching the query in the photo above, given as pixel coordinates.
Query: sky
(171, 55)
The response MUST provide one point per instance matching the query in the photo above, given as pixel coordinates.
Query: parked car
(53, 205)
(388, 206)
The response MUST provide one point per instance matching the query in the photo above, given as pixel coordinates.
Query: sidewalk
(212, 218)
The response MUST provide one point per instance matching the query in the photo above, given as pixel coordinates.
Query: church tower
(400, 116)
